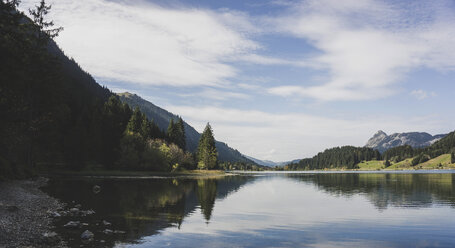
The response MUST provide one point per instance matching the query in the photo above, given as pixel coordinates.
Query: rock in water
(87, 235)
(106, 223)
(54, 214)
(73, 224)
(96, 189)
(89, 212)
(50, 237)
(74, 211)
(49, 234)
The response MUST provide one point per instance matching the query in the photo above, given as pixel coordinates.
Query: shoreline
(137, 174)
(197, 174)
(26, 214)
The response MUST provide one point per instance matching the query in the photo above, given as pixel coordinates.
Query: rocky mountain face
(382, 142)
(162, 118)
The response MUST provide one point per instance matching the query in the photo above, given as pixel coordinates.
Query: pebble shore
(26, 215)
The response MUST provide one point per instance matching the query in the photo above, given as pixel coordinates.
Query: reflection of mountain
(383, 190)
(142, 207)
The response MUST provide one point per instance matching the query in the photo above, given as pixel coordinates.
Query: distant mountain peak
(382, 142)
(380, 133)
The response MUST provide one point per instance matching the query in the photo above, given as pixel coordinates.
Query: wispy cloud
(148, 44)
(421, 94)
(293, 135)
(365, 47)
(216, 94)
(368, 46)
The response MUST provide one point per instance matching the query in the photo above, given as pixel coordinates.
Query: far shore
(348, 171)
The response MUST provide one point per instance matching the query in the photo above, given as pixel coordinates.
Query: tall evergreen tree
(156, 131)
(207, 154)
(181, 137)
(452, 157)
(172, 132)
(146, 129)
(41, 78)
(115, 119)
(135, 122)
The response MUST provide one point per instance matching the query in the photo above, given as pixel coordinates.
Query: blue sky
(277, 80)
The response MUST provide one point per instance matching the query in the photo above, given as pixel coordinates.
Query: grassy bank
(440, 162)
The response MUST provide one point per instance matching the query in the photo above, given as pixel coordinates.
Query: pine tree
(156, 131)
(135, 122)
(207, 154)
(146, 129)
(452, 157)
(46, 27)
(39, 74)
(181, 137)
(172, 132)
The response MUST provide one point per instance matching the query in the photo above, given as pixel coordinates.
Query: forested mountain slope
(55, 116)
(47, 102)
(162, 118)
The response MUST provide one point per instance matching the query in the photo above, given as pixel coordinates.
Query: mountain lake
(289, 209)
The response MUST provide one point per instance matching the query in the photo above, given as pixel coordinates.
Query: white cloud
(148, 44)
(249, 86)
(329, 92)
(365, 47)
(215, 94)
(293, 135)
(421, 94)
(267, 60)
(368, 46)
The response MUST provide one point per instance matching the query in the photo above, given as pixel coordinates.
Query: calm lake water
(265, 210)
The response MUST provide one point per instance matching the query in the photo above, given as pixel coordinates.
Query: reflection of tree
(142, 207)
(206, 193)
(387, 189)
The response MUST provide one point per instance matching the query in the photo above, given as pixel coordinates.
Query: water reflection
(388, 189)
(206, 192)
(138, 207)
(285, 210)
